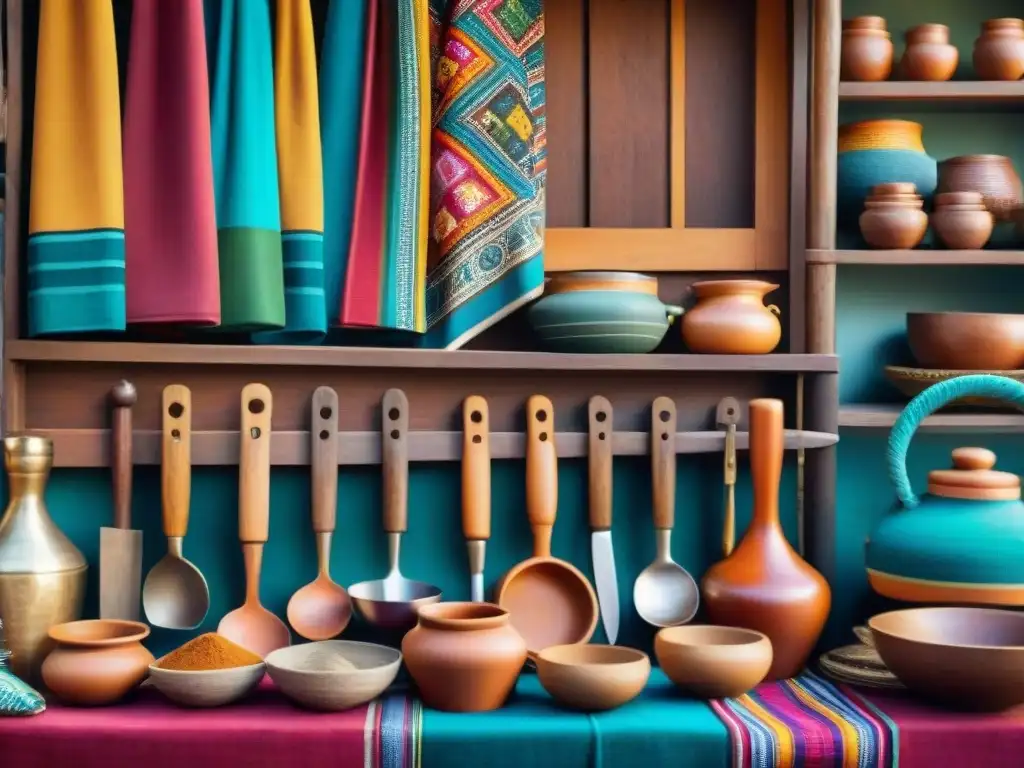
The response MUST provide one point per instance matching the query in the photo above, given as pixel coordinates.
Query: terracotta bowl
(207, 688)
(964, 341)
(333, 675)
(713, 662)
(592, 677)
(966, 658)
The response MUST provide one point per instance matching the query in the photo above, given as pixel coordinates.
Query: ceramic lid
(972, 477)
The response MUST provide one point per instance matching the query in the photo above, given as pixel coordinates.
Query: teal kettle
(962, 541)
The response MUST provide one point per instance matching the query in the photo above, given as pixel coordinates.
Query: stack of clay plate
(893, 217)
(961, 220)
(858, 664)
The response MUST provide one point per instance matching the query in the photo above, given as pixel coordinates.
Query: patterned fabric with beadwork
(488, 162)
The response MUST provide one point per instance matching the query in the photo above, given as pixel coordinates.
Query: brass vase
(42, 574)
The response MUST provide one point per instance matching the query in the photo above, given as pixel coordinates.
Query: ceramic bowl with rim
(208, 687)
(712, 662)
(333, 675)
(592, 677)
(966, 341)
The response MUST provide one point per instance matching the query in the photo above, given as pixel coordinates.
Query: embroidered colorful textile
(76, 268)
(170, 219)
(488, 163)
(300, 175)
(393, 733)
(240, 57)
(805, 722)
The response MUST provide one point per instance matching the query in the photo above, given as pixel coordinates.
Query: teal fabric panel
(18, 698)
(304, 306)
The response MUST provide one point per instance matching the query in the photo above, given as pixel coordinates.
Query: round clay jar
(464, 657)
(731, 318)
(999, 51)
(963, 229)
(866, 55)
(893, 227)
(929, 54)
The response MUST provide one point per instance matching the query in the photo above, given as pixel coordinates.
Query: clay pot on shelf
(730, 318)
(966, 341)
(867, 50)
(961, 221)
(893, 217)
(992, 175)
(929, 54)
(999, 50)
(464, 657)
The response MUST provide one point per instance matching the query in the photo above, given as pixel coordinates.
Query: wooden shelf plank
(922, 257)
(91, 447)
(24, 351)
(950, 91)
(884, 416)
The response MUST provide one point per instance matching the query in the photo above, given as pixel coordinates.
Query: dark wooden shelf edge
(884, 416)
(957, 90)
(28, 351)
(909, 258)
(91, 447)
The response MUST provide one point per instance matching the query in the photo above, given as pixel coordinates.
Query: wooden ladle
(322, 609)
(252, 626)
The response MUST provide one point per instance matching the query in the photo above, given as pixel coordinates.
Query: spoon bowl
(175, 595)
(665, 594)
(255, 628)
(393, 603)
(320, 610)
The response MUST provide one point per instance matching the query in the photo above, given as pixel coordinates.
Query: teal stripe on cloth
(304, 304)
(76, 282)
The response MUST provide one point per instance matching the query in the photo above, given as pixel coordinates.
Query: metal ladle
(665, 594)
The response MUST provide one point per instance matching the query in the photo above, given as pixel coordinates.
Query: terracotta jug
(730, 318)
(764, 584)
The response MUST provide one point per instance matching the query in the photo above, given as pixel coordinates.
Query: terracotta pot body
(96, 662)
(992, 175)
(894, 225)
(464, 657)
(866, 55)
(764, 584)
(929, 54)
(963, 227)
(999, 51)
(730, 318)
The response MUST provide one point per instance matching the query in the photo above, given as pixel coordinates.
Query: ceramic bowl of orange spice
(208, 671)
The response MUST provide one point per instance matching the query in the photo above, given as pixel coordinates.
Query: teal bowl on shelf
(859, 170)
(601, 322)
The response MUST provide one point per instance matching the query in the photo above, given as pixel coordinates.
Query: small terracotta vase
(764, 584)
(929, 54)
(893, 226)
(866, 53)
(96, 661)
(999, 51)
(963, 227)
(731, 318)
(464, 657)
(992, 175)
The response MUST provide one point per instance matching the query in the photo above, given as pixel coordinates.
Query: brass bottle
(42, 574)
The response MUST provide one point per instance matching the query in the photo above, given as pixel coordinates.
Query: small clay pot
(730, 318)
(999, 50)
(963, 229)
(887, 204)
(898, 199)
(864, 22)
(959, 198)
(894, 188)
(866, 55)
(894, 227)
(929, 54)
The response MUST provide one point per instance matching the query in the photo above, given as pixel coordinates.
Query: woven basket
(881, 134)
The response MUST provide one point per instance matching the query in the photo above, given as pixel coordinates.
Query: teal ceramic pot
(601, 321)
(963, 540)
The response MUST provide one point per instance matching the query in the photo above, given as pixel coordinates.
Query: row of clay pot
(894, 218)
(867, 51)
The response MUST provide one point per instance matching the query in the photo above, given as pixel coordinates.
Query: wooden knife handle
(176, 459)
(541, 472)
(324, 459)
(122, 397)
(663, 461)
(395, 460)
(254, 465)
(600, 463)
(476, 469)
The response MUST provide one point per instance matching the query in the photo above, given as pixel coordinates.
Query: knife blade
(476, 489)
(600, 508)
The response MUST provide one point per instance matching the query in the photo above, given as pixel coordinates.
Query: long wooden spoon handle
(476, 469)
(122, 397)
(766, 448)
(176, 459)
(324, 459)
(600, 463)
(254, 465)
(395, 460)
(663, 461)
(541, 472)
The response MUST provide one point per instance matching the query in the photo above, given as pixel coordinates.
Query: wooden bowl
(206, 688)
(592, 677)
(966, 340)
(713, 662)
(965, 658)
(333, 675)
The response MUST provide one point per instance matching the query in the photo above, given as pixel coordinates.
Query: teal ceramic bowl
(601, 322)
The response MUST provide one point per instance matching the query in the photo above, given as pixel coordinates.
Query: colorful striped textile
(76, 252)
(806, 722)
(393, 733)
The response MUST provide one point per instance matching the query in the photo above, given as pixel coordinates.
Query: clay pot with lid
(893, 221)
(929, 55)
(994, 176)
(866, 50)
(961, 221)
(464, 657)
(731, 318)
(999, 50)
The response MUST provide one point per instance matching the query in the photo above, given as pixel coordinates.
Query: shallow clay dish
(965, 658)
(913, 381)
(966, 340)
(335, 674)
(592, 677)
(713, 662)
(206, 688)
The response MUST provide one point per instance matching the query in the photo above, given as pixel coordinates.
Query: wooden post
(822, 399)
(799, 95)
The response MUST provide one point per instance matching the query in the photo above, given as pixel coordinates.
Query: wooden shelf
(371, 357)
(884, 416)
(952, 91)
(922, 257)
(91, 447)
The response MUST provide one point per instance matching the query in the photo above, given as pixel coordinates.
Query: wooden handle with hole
(663, 461)
(324, 459)
(599, 412)
(395, 460)
(541, 472)
(476, 469)
(254, 465)
(176, 459)
(728, 415)
(123, 396)
(766, 448)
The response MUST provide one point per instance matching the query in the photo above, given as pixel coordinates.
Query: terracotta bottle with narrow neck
(764, 584)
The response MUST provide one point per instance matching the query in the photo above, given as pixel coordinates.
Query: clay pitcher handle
(925, 404)
(766, 447)
(176, 459)
(599, 413)
(395, 460)
(324, 459)
(663, 462)
(541, 472)
(476, 469)
(254, 465)
(122, 397)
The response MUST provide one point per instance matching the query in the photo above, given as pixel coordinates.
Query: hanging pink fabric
(170, 217)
